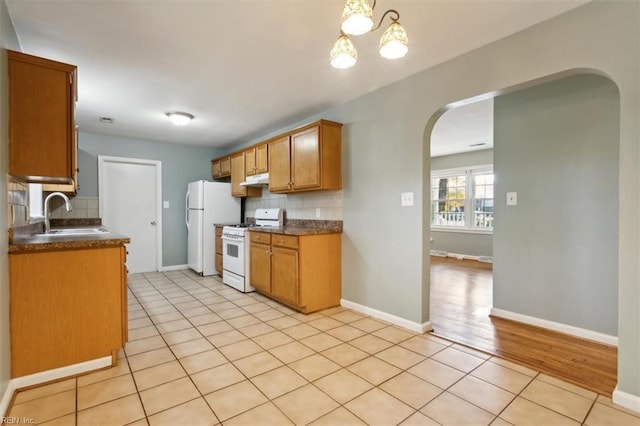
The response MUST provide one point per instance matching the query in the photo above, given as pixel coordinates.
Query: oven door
(233, 256)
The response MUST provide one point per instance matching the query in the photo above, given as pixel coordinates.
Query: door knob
(153, 222)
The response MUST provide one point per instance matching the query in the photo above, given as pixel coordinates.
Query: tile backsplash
(82, 207)
(300, 206)
(18, 202)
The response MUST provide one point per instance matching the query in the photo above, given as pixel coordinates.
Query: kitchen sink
(67, 232)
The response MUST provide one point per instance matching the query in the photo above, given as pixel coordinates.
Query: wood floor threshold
(461, 298)
(530, 347)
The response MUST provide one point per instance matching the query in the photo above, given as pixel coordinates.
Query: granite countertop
(29, 239)
(303, 227)
(295, 230)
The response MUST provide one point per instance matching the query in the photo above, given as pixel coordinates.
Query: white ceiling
(465, 128)
(243, 68)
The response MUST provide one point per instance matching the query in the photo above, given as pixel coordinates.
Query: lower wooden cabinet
(66, 307)
(218, 255)
(303, 272)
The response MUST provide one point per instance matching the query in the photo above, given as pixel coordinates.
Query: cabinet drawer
(282, 240)
(260, 237)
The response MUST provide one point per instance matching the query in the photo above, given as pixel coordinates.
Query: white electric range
(235, 248)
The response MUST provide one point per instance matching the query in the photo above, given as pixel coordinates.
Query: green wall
(181, 164)
(556, 252)
(386, 151)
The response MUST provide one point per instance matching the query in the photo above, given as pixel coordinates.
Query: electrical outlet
(317, 212)
(165, 204)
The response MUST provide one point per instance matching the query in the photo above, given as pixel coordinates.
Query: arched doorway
(555, 251)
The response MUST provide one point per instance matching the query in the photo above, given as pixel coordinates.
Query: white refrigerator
(207, 203)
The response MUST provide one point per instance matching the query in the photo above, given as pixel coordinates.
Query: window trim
(469, 171)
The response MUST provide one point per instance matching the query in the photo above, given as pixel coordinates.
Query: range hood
(256, 180)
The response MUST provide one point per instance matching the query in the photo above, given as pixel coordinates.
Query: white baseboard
(173, 268)
(6, 398)
(459, 256)
(401, 322)
(556, 326)
(50, 375)
(626, 400)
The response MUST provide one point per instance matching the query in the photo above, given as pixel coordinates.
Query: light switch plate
(165, 204)
(512, 198)
(317, 212)
(406, 199)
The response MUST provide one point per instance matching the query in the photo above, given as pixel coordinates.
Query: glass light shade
(180, 118)
(343, 54)
(357, 17)
(394, 42)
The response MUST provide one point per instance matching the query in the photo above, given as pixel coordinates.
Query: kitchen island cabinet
(302, 271)
(67, 305)
(42, 95)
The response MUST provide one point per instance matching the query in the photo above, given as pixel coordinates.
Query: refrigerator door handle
(186, 210)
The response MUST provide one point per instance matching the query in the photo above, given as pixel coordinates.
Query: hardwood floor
(461, 299)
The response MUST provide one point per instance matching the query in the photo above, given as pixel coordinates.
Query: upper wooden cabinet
(72, 187)
(238, 176)
(221, 167)
(256, 160)
(42, 95)
(306, 159)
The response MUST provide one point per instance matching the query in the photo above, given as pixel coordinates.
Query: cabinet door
(41, 119)
(225, 166)
(237, 175)
(215, 169)
(73, 187)
(260, 266)
(284, 274)
(305, 159)
(279, 165)
(125, 303)
(250, 162)
(262, 164)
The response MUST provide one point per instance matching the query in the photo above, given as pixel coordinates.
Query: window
(462, 199)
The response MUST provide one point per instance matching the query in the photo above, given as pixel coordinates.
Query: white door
(130, 192)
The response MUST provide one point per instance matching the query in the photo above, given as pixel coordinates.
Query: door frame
(103, 159)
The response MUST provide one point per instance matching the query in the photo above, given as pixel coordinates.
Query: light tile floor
(201, 353)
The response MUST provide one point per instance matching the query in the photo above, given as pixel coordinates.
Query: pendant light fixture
(357, 19)
(343, 55)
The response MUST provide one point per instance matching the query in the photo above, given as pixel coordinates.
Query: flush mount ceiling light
(357, 19)
(180, 118)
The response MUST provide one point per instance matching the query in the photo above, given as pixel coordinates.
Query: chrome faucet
(67, 205)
